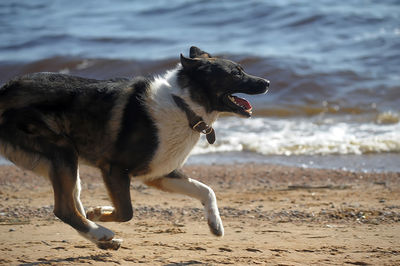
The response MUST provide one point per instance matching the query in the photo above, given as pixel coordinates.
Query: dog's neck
(163, 105)
(195, 122)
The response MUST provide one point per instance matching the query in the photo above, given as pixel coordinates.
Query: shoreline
(372, 163)
(366, 163)
(272, 214)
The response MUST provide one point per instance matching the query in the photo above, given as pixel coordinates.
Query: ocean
(334, 67)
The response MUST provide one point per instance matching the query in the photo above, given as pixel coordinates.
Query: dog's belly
(172, 153)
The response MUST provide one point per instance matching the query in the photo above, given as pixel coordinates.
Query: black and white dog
(146, 128)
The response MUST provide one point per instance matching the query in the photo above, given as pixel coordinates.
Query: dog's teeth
(234, 101)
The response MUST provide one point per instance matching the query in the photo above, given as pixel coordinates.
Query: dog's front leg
(117, 182)
(177, 182)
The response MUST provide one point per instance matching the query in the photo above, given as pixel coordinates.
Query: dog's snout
(263, 82)
(258, 85)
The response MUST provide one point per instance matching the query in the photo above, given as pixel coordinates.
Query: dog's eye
(237, 72)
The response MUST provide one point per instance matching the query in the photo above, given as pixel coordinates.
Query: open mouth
(239, 105)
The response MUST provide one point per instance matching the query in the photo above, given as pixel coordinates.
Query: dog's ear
(195, 52)
(190, 63)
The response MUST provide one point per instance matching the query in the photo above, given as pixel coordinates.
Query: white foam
(270, 136)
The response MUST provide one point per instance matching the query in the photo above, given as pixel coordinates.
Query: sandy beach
(273, 215)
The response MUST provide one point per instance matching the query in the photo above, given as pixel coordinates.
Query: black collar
(195, 122)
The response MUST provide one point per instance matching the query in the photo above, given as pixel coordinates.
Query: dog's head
(213, 81)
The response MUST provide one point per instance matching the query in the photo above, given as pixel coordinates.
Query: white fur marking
(77, 195)
(107, 209)
(176, 138)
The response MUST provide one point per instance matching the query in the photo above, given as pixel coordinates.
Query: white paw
(215, 222)
(110, 244)
(98, 233)
(102, 237)
(94, 214)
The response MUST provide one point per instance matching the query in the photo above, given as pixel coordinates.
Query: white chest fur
(176, 138)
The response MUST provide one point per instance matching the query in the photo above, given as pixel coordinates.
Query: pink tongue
(242, 102)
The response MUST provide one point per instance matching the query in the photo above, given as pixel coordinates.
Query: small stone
(253, 250)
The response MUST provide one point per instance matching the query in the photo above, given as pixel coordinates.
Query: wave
(269, 136)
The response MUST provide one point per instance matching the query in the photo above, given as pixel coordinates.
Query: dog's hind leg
(177, 182)
(62, 171)
(117, 182)
(35, 147)
(64, 176)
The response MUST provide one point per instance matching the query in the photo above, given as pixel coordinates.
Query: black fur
(84, 103)
(137, 140)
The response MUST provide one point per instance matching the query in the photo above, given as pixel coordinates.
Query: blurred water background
(334, 67)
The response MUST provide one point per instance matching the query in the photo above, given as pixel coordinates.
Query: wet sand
(273, 215)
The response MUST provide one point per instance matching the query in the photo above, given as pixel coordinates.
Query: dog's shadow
(99, 257)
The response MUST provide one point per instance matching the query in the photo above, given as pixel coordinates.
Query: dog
(142, 127)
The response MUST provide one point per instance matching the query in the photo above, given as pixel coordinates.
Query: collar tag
(202, 127)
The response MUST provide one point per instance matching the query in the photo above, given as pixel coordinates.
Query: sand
(273, 215)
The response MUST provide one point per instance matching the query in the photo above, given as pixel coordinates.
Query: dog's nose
(264, 82)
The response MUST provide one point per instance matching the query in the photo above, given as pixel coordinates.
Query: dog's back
(56, 108)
